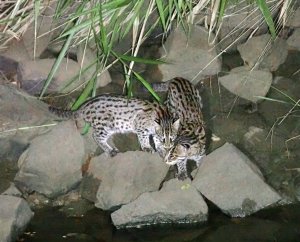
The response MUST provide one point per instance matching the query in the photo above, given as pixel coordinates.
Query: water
(276, 224)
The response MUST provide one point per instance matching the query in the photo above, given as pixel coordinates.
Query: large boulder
(250, 85)
(261, 52)
(22, 117)
(238, 25)
(126, 176)
(189, 55)
(52, 163)
(15, 214)
(294, 20)
(33, 74)
(294, 40)
(177, 202)
(231, 181)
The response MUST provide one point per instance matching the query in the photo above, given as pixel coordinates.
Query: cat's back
(113, 103)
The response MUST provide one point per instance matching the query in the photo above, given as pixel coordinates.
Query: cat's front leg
(101, 137)
(181, 170)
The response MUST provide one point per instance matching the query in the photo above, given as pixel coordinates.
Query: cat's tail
(62, 113)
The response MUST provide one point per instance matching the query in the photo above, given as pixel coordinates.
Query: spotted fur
(109, 115)
(184, 102)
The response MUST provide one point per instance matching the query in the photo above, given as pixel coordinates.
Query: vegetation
(102, 24)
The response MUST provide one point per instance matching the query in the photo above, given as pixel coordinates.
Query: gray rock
(294, 40)
(126, 176)
(45, 19)
(178, 202)
(260, 52)
(12, 191)
(17, 51)
(190, 57)
(8, 69)
(242, 19)
(87, 59)
(232, 182)
(15, 214)
(33, 74)
(52, 163)
(22, 118)
(247, 84)
(294, 21)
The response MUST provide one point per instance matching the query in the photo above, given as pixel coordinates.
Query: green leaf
(57, 63)
(113, 5)
(103, 34)
(147, 85)
(267, 15)
(222, 10)
(161, 13)
(78, 27)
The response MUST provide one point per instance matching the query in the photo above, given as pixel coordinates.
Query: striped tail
(63, 113)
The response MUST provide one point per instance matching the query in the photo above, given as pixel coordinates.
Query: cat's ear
(176, 124)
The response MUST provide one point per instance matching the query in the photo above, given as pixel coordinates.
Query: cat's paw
(149, 150)
(181, 176)
(113, 152)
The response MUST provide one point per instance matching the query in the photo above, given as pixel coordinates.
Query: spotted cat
(109, 115)
(184, 102)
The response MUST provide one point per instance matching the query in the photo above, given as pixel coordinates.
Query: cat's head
(186, 145)
(166, 128)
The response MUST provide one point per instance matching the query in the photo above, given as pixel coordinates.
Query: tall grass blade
(267, 15)
(147, 86)
(161, 12)
(222, 10)
(57, 64)
(37, 4)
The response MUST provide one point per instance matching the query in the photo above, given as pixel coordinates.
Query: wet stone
(124, 177)
(232, 182)
(15, 214)
(178, 202)
(52, 163)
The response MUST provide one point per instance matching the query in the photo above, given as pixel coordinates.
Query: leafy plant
(102, 24)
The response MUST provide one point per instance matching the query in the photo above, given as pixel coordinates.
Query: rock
(12, 191)
(33, 74)
(22, 118)
(189, 56)
(264, 54)
(247, 84)
(238, 25)
(52, 163)
(262, 149)
(15, 214)
(17, 51)
(87, 59)
(294, 40)
(294, 21)
(232, 182)
(177, 202)
(8, 70)
(43, 32)
(126, 176)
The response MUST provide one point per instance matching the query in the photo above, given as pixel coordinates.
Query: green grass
(103, 24)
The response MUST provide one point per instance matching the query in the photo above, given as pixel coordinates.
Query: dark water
(276, 224)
